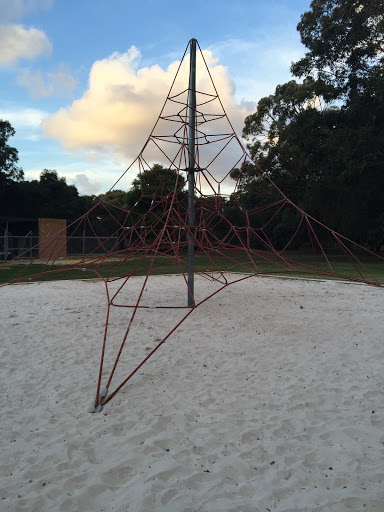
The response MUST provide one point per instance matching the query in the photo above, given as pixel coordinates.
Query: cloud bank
(117, 112)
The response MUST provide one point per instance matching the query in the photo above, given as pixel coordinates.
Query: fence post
(6, 243)
(29, 235)
(84, 240)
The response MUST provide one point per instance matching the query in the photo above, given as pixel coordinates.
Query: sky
(60, 60)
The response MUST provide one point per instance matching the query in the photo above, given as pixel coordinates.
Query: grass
(234, 261)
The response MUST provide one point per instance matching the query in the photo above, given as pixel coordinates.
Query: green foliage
(154, 190)
(151, 192)
(52, 197)
(158, 180)
(345, 39)
(8, 156)
(322, 140)
(106, 212)
(49, 197)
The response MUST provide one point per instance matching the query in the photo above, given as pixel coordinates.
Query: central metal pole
(191, 172)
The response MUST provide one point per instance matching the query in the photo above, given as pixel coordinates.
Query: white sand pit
(268, 398)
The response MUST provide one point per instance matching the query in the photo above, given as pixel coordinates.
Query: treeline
(50, 196)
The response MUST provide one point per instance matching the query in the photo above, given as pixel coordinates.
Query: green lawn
(295, 264)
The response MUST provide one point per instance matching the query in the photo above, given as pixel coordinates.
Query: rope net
(233, 240)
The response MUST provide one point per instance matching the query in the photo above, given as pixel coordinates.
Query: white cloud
(60, 84)
(85, 185)
(24, 118)
(32, 174)
(15, 9)
(17, 42)
(26, 122)
(123, 101)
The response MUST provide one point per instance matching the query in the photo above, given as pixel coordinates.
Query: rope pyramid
(233, 240)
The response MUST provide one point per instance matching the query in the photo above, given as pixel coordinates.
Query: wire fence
(29, 245)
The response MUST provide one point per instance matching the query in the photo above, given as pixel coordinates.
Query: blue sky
(58, 56)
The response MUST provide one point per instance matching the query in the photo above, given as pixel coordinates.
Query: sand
(268, 398)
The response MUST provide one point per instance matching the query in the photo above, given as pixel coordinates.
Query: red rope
(154, 232)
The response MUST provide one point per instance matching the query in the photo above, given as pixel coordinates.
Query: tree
(158, 180)
(322, 140)
(8, 155)
(291, 136)
(346, 52)
(59, 199)
(107, 212)
(149, 196)
(156, 184)
(345, 39)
